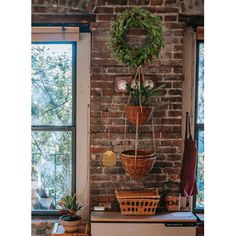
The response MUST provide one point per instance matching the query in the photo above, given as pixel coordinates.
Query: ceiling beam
(69, 18)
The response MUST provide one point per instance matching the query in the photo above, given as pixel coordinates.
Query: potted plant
(137, 57)
(69, 219)
(140, 94)
(136, 162)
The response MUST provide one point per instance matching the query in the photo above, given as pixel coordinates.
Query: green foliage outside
(200, 120)
(200, 180)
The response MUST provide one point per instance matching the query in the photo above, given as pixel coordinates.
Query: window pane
(200, 99)
(51, 168)
(200, 170)
(51, 84)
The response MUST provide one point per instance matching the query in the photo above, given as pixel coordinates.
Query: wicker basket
(144, 114)
(141, 166)
(141, 202)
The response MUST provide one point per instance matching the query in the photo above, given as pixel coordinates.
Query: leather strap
(188, 127)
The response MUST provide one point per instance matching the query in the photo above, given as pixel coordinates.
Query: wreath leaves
(136, 18)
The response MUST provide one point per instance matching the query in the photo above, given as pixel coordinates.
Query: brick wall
(104, 69)
(168, 69)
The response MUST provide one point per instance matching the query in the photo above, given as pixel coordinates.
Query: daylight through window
(53, 122)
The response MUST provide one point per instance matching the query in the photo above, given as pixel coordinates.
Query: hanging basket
(143, 113)
(140, 166)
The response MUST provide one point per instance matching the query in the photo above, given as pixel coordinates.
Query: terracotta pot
(173, 202)
(70, 226)
(144, 114)
(139, 167)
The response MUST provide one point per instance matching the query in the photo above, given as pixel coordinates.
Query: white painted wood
(83, 121)
(160, 217)
(55, 34)
(83, 41)
(115, 224)
(139, 229)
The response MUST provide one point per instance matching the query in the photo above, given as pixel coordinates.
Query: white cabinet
(165, 224)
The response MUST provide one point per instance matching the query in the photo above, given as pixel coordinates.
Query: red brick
(100, 2)
(156, 2)
(117, 2)
(178, 33)
(175, 92)
(178, 47)
(104, 10)
(174, 25)
(97, 149)
(171, 1)
(121, 9)
(139, 2)
(167, 10)
(170, 18)
(106, 17)
(175, 113)
(178, 70)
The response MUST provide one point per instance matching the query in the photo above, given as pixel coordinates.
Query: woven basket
(144, 114)
(142, 202)
(141, 166)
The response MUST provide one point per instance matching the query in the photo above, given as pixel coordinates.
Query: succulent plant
(69, 207)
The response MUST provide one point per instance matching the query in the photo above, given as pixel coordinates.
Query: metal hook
(63, 28)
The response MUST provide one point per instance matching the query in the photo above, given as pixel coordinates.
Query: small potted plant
(69, 219)
(140, 94)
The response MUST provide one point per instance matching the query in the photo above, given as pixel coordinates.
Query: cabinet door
(139, 229)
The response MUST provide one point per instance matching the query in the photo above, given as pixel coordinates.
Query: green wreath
(136, 18)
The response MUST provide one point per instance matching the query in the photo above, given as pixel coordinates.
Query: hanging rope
(138, 79)
(153, 135)
(136, 140)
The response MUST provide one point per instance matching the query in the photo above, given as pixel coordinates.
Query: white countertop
(160, 217)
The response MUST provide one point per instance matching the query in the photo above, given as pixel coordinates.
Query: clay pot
(144, 114)
(70, 226)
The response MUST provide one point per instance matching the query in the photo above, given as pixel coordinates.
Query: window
(59, 144)
(199, 124)
(53, 122)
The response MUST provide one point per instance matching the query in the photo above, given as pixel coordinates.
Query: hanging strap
(108, 131)
(136, 140)
(187, 127)
(125, 132)
(153, 136)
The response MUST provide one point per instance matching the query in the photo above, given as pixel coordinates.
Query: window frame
(197, 126)
(56, 35)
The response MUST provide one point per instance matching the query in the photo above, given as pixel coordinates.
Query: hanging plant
(136, 18)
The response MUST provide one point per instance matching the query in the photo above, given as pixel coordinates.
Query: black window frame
(197, 126)
(72, 127)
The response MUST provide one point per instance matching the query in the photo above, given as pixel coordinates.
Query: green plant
(69, 207)
(136, 18)
(141, 93)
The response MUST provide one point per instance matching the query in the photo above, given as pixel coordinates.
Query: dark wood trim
(70, 18)
(194, 21)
